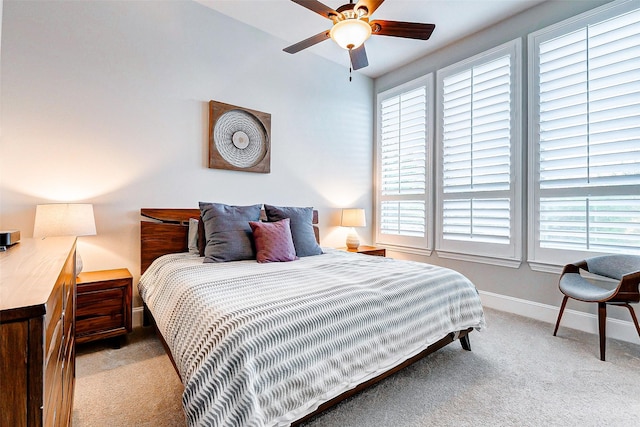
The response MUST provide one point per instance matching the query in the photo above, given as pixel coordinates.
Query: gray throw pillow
(228, 233)
(304, 239)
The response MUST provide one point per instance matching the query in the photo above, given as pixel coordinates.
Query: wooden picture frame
(239, 138)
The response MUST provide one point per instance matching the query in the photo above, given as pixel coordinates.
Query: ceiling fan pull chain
(349, 73)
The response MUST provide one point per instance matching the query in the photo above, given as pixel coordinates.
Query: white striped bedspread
(265, 344)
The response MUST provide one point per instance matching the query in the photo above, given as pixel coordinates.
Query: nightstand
(368, 250)
(103, 305)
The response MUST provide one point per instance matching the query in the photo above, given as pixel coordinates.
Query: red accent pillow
(273, 241)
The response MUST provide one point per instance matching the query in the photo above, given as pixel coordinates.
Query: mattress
(265, 344)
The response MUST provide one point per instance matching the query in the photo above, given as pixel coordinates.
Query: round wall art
(239, 138)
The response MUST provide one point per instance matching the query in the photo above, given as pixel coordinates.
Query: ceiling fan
(351, 27)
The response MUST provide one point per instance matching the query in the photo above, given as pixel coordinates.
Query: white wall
(107, 103)
(520, 289)
(1, 7)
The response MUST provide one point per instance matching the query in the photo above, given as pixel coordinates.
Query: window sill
(501, 262)
(405, 249)
(545, 267)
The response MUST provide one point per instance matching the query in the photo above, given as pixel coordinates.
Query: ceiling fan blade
(369, 5)
(409, 30)
(358, 57)
(319, 8)
(307, 42)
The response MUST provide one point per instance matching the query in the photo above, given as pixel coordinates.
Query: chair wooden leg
(602, 321)
(633, 316)
(564, 303)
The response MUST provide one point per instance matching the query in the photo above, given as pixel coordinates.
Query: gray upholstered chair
(624, 268)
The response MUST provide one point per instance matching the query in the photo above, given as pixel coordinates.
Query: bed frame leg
(466, 343)
(146, 321)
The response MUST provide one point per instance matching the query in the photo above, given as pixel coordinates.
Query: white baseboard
(136, 319)
(586, 322)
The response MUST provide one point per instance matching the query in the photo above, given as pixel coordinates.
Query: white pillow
(192, 242)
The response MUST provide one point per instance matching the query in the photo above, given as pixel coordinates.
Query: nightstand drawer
(375, 252)
(103, 304)
(99, 303)
(98, 324)
(84, 288)
(368, 250)
(99, 311)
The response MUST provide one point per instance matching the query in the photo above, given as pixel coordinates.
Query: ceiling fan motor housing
(348, 12)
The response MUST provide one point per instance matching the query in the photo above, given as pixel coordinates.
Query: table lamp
(353, 218)
(65, 219)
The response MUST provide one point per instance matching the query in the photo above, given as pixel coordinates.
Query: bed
(276, 343)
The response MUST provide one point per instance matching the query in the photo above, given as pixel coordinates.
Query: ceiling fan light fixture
(350, 33)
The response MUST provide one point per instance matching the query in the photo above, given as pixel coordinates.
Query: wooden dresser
(37, 346)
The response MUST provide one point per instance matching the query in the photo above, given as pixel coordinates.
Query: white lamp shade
(350, 33)
(353, 218)
(64, 219)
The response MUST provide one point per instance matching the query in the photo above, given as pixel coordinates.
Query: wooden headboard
(168, 229)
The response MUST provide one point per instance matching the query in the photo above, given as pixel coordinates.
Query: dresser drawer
(53, 392)
(68, 377)
(53, 356)
(54, 309)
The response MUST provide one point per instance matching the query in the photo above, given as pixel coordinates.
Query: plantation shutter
(589, 137)
(403, 128)
(476, 153)
(404, 119)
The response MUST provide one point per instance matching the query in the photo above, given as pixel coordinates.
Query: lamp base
(352, 240)
(78, 263)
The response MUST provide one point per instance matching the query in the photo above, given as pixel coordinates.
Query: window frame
(407, 244)
(550, 259)
(483, 252)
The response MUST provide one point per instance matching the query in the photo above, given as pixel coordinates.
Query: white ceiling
(454, 20)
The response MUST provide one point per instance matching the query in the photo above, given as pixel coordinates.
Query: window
(585, 136)
(479, 187)
(403, 166)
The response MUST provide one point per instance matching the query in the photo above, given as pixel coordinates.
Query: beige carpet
(135, 385)
(518, 374)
